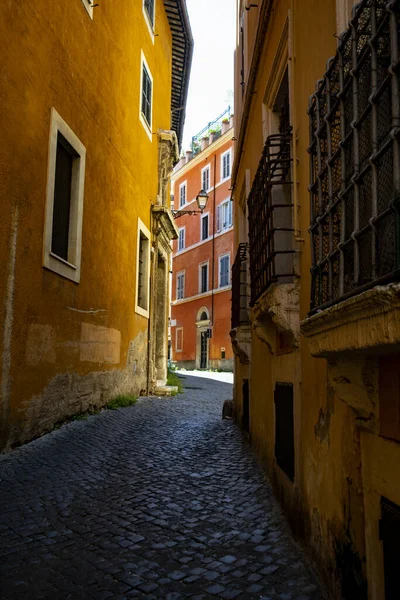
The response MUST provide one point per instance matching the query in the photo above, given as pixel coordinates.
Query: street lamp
(201, 199)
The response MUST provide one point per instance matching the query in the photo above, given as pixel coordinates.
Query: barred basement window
(354, 159)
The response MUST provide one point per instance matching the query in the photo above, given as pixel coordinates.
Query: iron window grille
(240, 295)
(354, 159)
(146, 95)
(270, 215)
(149, 6)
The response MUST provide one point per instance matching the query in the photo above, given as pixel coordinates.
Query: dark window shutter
(62, 198)
(205, 228)
(390, 535)
(284, 428)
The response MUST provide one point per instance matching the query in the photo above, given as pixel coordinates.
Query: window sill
(142, 312)
(62, 267)
(368, 321)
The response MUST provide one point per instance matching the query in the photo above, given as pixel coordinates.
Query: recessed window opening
(62, 197)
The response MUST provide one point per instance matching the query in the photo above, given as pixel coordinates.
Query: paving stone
(162, 500)
(215, 589)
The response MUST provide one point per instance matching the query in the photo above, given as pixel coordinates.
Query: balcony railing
(271, 217)
(211, 126)
(355, 159)
(240, 289)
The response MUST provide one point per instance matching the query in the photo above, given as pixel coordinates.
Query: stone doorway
(202, 339)
(161, 307)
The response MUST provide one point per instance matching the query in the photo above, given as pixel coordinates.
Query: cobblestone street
(160, 500)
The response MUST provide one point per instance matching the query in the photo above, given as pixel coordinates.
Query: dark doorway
(246, 405)
(284, 428)
(390, 536)
(204, 350)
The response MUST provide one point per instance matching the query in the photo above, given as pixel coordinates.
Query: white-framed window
(205, 178)
(146, 96)
(142, 270)
(179, 339)
(88, 4)
(225, 165)
(204, 227)
(182, 194)
(181, 238)
(203, 277)
(149, 7)
(224, 270)
(180, 285)
(64, 200)
(224, 215)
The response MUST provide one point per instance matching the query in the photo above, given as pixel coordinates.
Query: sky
(211, 78)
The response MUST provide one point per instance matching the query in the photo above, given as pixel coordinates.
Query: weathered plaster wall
(325, 505)
(90, 72)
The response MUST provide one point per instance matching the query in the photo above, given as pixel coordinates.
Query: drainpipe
(213, 244)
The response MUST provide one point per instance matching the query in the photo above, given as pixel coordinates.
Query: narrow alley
(160, 500)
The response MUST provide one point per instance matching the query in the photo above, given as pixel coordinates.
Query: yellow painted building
(315, 283)
(92, 110)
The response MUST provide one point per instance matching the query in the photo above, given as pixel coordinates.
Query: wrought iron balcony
(355, 159)
(240, 288)
(271, 217)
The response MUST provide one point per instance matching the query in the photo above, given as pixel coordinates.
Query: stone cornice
(368, 320)
(166, 221)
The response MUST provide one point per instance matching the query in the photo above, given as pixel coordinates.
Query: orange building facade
(203, 254)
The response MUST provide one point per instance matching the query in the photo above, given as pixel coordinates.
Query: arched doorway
(202, 339)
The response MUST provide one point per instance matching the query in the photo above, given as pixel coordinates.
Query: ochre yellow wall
(89, 71)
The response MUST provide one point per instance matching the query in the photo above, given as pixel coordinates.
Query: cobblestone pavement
(160, 500)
